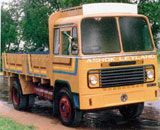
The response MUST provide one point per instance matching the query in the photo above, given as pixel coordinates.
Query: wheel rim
(15, 95)
(65, 108)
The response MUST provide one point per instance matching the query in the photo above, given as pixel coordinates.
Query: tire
(55, 106)
(131, 111)
(19, 100)
(69, 115)
(30, 101)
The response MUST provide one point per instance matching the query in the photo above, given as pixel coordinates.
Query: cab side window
(66, 42)
(56, 40)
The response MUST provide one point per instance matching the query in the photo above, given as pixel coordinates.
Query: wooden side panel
(38, 65)
(26, 64)
(14, 63)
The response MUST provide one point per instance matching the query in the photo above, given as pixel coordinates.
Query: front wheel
(69, 115)
(132, 111)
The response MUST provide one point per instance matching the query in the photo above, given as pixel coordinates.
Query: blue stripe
(35, 74)
(43, 75)
(68, 73)
(19, 72)
(12, 70)
(5, 66)
(16, 71)
(28, 66)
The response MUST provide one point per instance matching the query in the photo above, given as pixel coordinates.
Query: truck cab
(110, 54)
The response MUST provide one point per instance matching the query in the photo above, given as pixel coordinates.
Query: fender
(63, 83)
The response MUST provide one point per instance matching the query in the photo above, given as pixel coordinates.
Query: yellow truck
(100, 56)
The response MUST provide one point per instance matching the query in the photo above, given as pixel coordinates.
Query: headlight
(149, 74)
(93, 80)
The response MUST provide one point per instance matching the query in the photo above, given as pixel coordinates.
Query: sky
(5, 1)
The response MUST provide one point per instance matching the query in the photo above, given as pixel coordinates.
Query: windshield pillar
(119, 34)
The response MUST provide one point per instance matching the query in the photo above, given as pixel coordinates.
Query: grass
(8, 124)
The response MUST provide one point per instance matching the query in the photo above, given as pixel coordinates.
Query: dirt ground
(39, 121)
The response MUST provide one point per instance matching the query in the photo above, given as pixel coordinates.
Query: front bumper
(113, 98)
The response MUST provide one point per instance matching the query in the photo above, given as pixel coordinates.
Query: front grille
(122, 76)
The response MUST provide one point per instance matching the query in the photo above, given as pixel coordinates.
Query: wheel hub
(15, 96)
(65, 108)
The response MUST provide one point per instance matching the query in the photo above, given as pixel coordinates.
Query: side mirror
(74, 45)
(74, 39)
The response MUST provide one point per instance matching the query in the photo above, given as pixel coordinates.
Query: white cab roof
(100, 8)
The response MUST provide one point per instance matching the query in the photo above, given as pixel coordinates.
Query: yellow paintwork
(74, 68)
(28, 87)
(29, 64)
(64, 67)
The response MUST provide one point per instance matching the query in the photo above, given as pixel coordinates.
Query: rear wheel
(18, 99)
(68, 114)
(132, 111)
(30, 101)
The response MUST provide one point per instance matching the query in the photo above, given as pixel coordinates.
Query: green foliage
(34, 24)
(152, 11)
(9, 31)
(7, 124)
(27, 20)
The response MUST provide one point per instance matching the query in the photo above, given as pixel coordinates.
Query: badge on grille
(124, 97)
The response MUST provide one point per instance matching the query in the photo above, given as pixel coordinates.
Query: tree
(151, 9)
(34, 23)
(9, 32)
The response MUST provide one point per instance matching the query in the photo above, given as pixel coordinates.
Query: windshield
(135, 34)
(100, 35)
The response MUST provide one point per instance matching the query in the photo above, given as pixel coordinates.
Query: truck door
(64, 62)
